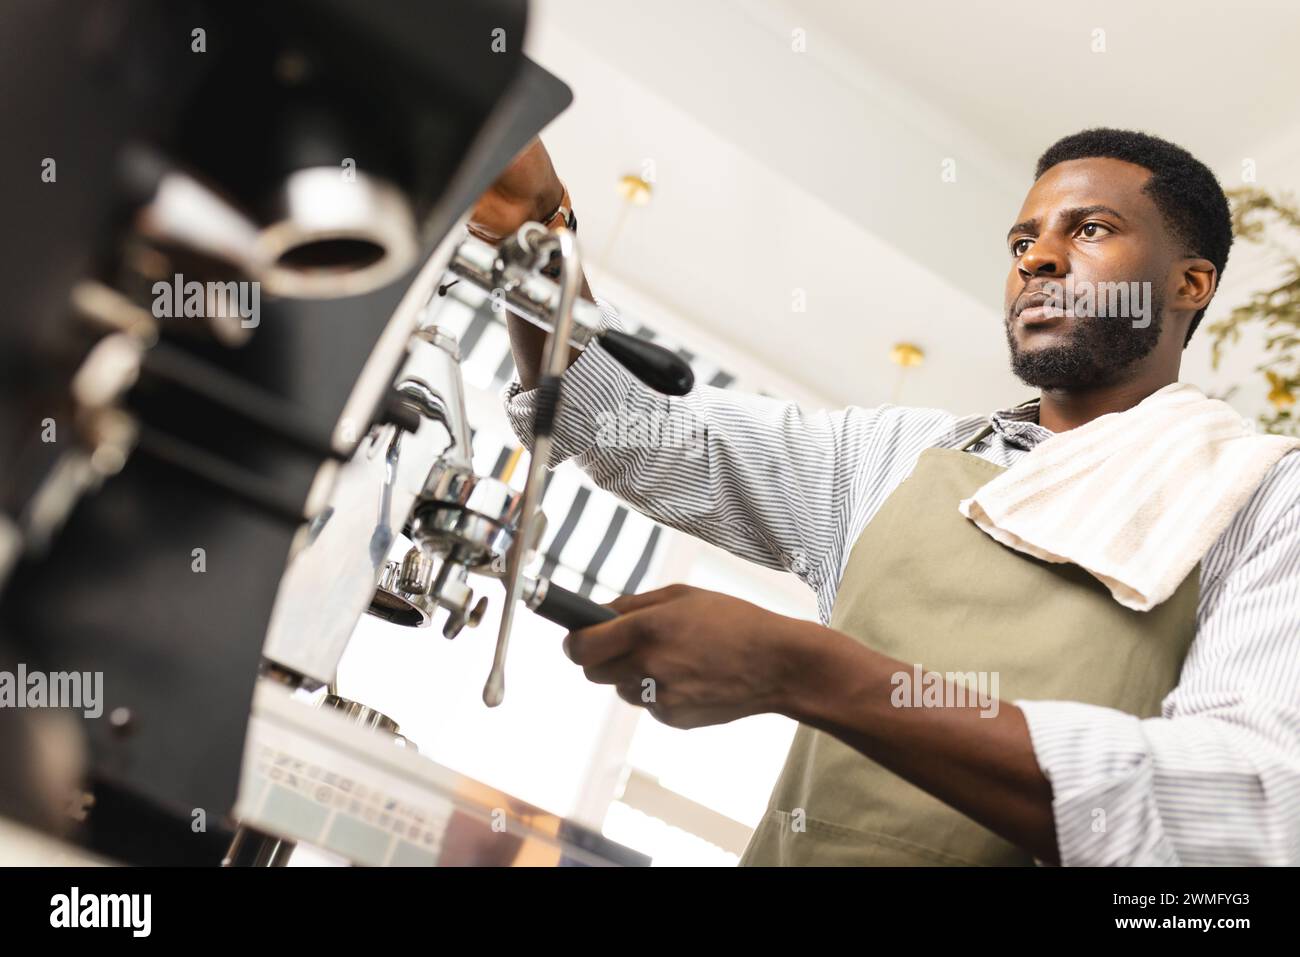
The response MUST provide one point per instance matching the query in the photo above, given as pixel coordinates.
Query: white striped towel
(1137, 497)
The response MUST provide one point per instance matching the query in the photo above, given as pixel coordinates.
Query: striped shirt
(1214, 780)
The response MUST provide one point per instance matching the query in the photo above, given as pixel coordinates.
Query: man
(1167, 736)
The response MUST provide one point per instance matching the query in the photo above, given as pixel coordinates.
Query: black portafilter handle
(570, 610)
(664, 371)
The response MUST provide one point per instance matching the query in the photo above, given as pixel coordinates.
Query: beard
(1097, 353)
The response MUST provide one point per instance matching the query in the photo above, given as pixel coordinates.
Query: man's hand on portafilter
(527, 189)
(693, 657)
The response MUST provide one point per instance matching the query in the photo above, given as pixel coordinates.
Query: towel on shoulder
(1137, 497)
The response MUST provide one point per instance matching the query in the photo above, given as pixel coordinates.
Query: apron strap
(984, 432)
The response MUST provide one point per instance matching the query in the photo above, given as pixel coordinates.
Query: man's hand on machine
(527, 189)
(693, 657)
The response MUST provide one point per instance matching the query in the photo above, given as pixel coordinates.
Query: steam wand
(537, 239)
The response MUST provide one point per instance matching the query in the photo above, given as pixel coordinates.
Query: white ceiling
(1218, 77)
(820, 171)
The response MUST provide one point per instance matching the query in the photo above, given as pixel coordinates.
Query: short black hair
(1183, 188)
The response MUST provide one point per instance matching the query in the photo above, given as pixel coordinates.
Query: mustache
(1032, 296)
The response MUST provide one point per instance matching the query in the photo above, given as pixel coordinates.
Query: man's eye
(1090, 230)
(1020, 246)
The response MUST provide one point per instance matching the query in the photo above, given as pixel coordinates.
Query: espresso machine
(230, 425)
(417, 488)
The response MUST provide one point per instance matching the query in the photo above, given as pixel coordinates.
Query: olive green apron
(925, 585)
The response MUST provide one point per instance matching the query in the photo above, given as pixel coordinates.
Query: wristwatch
(563, 214)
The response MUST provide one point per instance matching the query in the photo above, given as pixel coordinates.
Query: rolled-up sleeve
(595, 386)
(1215, 780)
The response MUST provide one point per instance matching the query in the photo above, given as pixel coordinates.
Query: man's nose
(1043, 258)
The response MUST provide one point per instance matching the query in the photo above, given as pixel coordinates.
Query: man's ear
(1196, 285)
